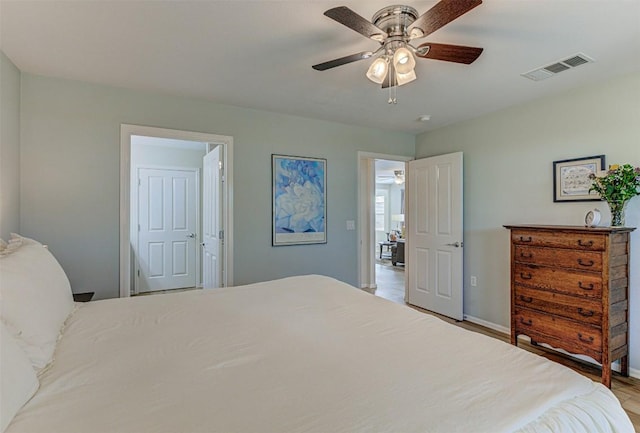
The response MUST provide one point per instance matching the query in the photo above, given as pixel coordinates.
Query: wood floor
(390, 282)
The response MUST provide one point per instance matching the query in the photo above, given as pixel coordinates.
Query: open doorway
(380, 219)
(389, 210)
(168, 210)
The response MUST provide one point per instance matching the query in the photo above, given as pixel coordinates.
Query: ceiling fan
(395, 27)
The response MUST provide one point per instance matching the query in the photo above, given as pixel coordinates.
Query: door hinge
(138, 272)
(138, 227)
(139, 182)
(221, 234)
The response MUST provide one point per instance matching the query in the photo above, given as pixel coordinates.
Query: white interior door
(213, 234)
(434, 222)
(167, 219)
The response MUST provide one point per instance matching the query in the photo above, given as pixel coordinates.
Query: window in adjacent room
(380, 213)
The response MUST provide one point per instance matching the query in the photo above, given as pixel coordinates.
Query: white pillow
(8, 248)
(18, 381)
(36, 299)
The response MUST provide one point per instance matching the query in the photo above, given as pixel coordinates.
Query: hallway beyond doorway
(390, 282)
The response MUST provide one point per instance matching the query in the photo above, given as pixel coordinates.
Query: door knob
(455, 244)
(191, 235)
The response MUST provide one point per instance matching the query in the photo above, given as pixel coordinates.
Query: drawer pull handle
(586, 263)
(526, 255)
(525, 276)
(586, 313)
(526, 298)
(528, 322)
(585, 244)
(527, 239)
(585, 340)
(584, 286)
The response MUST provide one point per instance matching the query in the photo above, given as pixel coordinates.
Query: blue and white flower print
(299, 195)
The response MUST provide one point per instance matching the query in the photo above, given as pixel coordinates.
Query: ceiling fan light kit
(394, 27)
(403, 61)
(378, 70)
(405, 78)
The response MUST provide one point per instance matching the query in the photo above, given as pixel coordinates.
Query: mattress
(301, 354)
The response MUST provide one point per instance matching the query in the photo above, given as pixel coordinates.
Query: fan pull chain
(393, 90)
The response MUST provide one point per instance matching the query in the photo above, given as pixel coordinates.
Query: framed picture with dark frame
(299, 199)
(571, 180)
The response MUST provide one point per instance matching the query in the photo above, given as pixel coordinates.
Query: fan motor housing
(394, 20)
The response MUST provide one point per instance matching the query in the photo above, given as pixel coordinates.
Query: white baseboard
(633, 372)
(486, 324)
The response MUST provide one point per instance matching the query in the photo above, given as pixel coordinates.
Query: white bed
(302, 354)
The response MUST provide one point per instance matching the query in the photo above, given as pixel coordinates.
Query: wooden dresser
(570, 289)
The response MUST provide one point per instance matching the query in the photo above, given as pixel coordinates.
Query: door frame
(135, 218)
(205, 187)
(366, 215)
(126, 131)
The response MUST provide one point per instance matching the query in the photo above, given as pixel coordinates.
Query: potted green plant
(617, 186)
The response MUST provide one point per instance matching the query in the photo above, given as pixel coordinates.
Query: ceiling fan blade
(449, 53)
(390, 79)
(342, 61)
(349, 18)
(441, 14)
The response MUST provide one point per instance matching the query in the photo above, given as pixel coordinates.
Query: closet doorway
(167, 213)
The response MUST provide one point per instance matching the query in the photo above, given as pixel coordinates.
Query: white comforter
(303, 354)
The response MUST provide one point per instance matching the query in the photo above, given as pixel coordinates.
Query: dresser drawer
(580, 241)
(563, 333)
(560, 280)
(579, 309)
(575, 259)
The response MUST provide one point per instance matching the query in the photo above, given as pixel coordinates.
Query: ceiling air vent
(577, 60)
(545, 72)
(556, 67)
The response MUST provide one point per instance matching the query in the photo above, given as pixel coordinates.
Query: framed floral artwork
(299, 199)
(571, 181)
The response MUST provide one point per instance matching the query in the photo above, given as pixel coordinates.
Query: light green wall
(508, 179)
(70, 176)
(9, 147)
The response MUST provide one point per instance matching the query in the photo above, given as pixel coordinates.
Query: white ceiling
(385, 170)
(259, 53)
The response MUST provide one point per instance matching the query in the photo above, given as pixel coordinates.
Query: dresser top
(573, 229)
